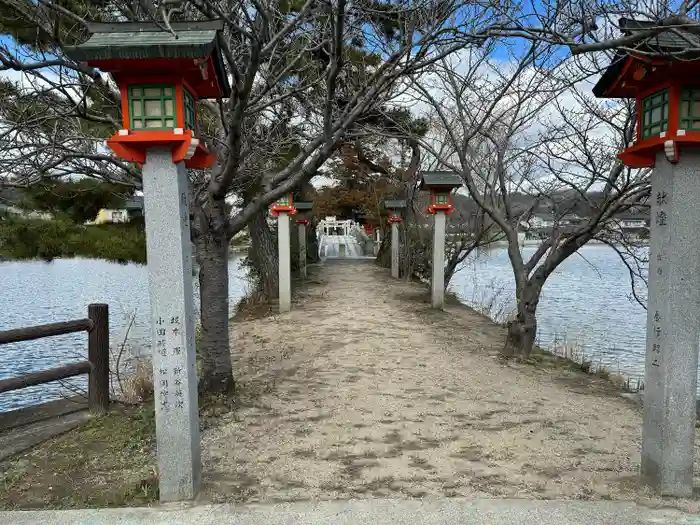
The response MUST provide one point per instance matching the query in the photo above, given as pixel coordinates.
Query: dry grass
(575, 353)
(109, 461)
(254, 305)
(137, 387)
(494, 302)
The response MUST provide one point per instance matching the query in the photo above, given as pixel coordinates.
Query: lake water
(586, 303)
(33, 293)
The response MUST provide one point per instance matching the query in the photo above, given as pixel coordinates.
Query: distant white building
(332, 226)
(540, 221)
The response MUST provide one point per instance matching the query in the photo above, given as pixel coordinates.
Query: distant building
(133, 208)
(105, 216)
(634, 226)
(540, 221)
(632, 221)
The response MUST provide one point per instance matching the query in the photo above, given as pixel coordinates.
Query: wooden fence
(96, 366)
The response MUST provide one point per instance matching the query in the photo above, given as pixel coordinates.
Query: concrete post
(169, 250)
(438, 280)
(395, 250)
(302, 251)
(671, 366)
(285, 272)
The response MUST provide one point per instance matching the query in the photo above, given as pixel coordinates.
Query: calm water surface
(586, 303)
(36, 292)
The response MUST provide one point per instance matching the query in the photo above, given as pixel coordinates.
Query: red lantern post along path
(160, 78)
(395, 207)
(440, 184)
(282, 209)
(304, 210)
(662, 76)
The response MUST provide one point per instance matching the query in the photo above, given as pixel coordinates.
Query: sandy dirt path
(364, 391)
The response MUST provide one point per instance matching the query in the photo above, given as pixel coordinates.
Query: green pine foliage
(22, 238)
(72, 204)
(77, 201)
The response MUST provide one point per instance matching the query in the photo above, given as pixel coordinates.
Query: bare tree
(302, 74)
(527, 130)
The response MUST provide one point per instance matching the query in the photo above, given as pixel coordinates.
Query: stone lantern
(440, 185)
(161, 76)
(285, 204)
(395, 207)
(284, 208)
(661, 75)
(304, 211)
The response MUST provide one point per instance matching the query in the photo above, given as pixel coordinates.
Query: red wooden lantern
(160, 77)
(394, 208)
(284, 204)
(440, 184)
(304, 209)
(666, 90)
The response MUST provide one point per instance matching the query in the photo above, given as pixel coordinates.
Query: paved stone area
(454, 511)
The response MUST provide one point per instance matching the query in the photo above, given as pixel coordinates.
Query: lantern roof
(445, 180)
(303, 205)
(673, 45)
(394, 204)
(111, 43)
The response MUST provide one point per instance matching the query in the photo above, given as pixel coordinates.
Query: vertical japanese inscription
(175, 334)
(185, 213)
(169, 346)
(162, 373)
(661, 222)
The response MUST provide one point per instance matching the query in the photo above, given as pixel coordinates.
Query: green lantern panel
(689, 115)
(441, 198)
(655, 114)
(190, 118)
(152, 107)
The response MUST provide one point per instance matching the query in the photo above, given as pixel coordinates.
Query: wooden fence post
(98, 355)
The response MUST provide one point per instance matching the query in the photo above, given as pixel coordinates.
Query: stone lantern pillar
(668, 139)
(440, 184)
(304, 210)
(160, 80)
(395, 208)
(283, 209)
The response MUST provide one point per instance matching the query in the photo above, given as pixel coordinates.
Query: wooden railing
(96, 366)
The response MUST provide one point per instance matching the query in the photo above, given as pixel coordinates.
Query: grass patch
(107, 462)
(573, 359)
(255, 305)
(110, 461)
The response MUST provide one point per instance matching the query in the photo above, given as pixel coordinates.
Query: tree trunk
(263, 255)
(522, 331)
(450, 268)
(211, 242)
